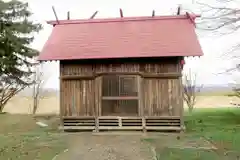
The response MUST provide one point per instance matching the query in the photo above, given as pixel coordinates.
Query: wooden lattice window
(119, 95)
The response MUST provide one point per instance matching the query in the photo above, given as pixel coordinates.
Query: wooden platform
(122, 123)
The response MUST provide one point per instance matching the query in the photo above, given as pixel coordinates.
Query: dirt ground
(22, 139)
(126, 146)
(50, 104)
(106, 147)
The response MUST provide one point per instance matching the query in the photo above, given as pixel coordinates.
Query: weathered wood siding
(78, 97)
(158, 96)
(161, 97)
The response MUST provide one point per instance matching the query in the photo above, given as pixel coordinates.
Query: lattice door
(119, 95)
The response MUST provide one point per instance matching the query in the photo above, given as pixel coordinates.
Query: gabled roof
(159, 36)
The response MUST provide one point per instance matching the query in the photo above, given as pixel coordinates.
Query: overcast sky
(206, 66)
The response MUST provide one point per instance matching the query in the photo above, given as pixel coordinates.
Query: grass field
(22, 139)
(210, 134)
(220, 128)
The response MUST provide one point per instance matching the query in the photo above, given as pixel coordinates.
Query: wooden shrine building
(122, 73)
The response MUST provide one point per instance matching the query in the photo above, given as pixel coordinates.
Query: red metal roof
(159, 36)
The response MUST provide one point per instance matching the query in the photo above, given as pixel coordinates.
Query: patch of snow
(41, 124)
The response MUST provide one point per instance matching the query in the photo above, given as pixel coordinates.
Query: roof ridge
(123, 19)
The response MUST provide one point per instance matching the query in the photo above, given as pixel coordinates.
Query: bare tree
(190, 89)
(235, 87)
(37, 77)
(236, 92)
(39, 81)
(222, 17)
(8, 89)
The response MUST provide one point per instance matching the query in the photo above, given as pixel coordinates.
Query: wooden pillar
(181, 103)
(61, 105)
(120, 121)
(96, 124)
(144, 124)
(98, 101)
(140, 97)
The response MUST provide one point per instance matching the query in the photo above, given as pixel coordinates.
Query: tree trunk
(2, 105)
(35, 105)
(1, 108)
(190, 108)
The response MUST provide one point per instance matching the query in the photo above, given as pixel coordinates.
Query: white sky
(206, 66)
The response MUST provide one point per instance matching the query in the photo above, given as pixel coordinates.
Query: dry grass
(24, 105)
(215, 101)
(216, 93)
(50, 104)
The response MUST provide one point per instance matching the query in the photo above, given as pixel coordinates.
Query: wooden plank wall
(159, 96)
(77, 97)
(162, 96)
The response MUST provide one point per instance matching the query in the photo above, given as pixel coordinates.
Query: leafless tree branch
(39, 81)
(7, 91)
(218, 17)
(190, 89)
(222, 17)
